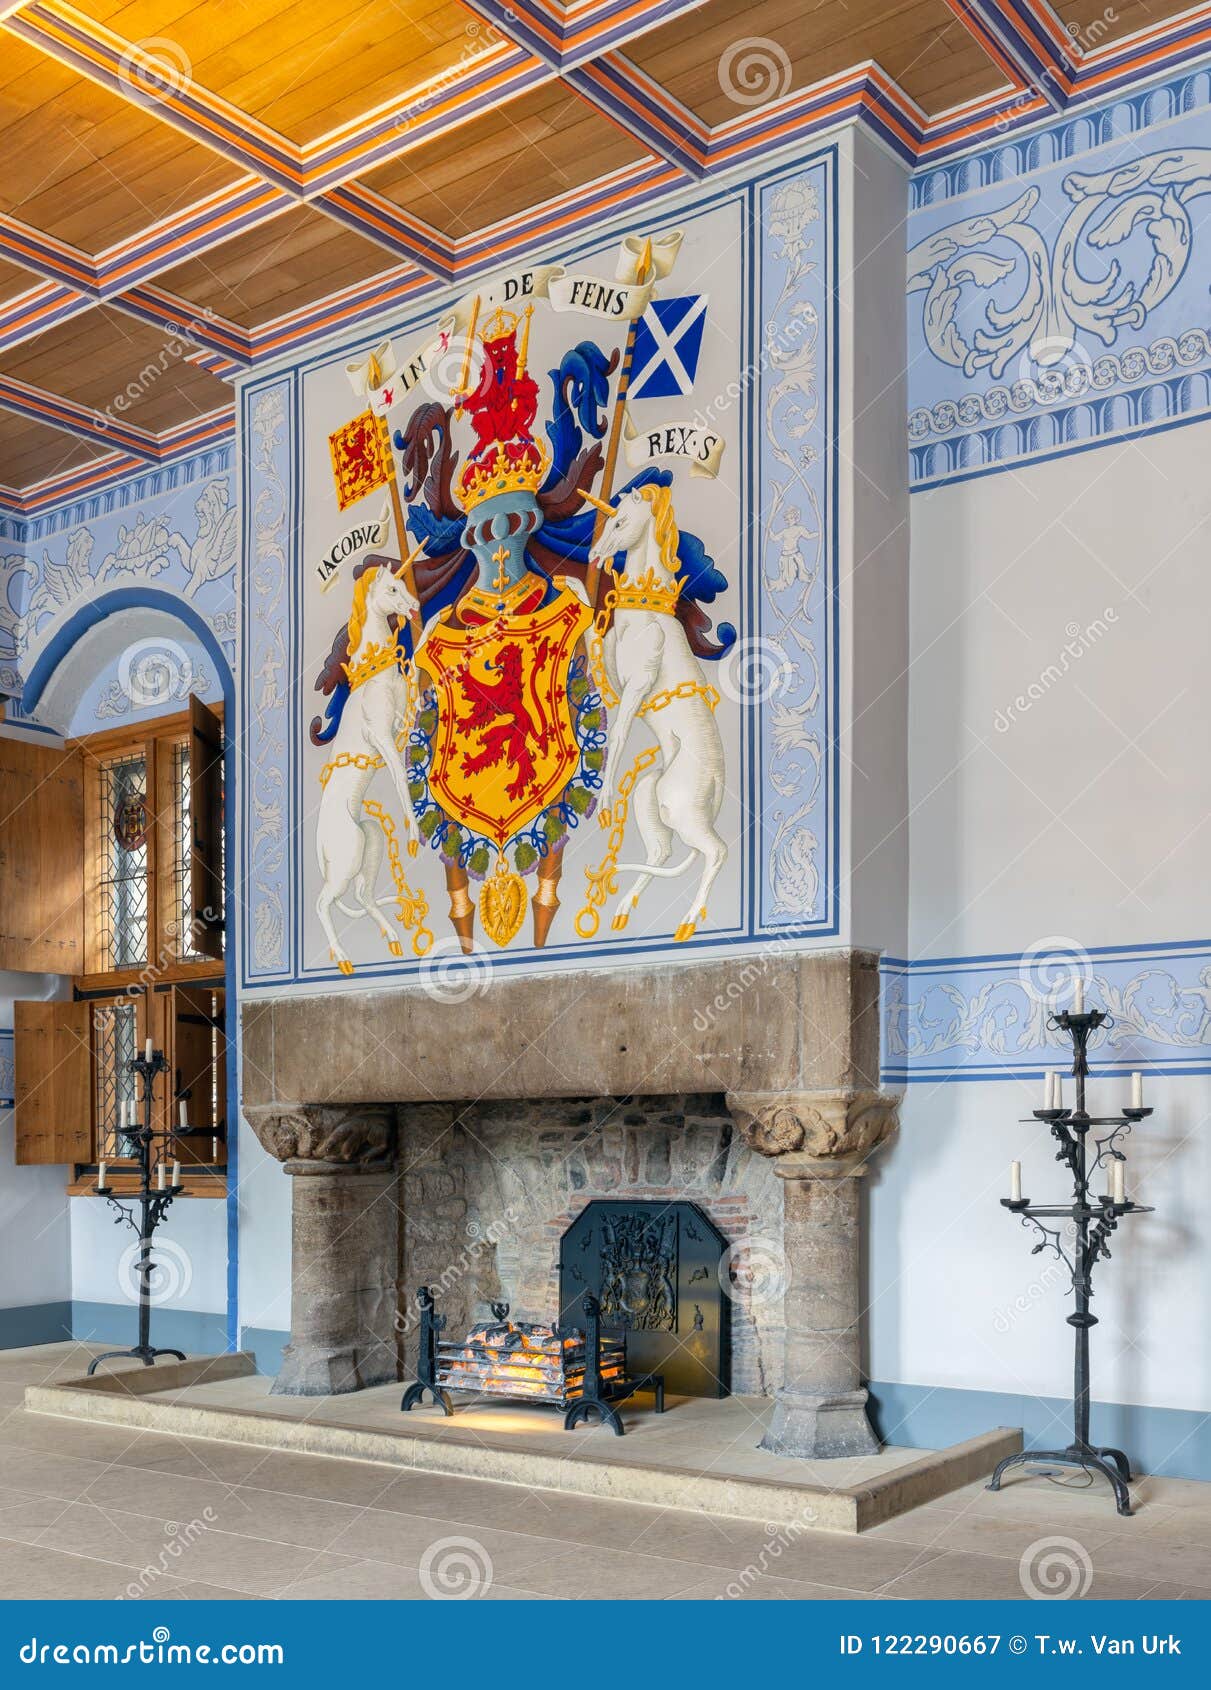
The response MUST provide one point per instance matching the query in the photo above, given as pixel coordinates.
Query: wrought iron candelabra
(149, 1203)
(1093, 1219)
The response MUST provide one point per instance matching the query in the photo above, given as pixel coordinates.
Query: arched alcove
(135, 634)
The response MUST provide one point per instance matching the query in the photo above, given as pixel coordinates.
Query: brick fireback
(489, 1190)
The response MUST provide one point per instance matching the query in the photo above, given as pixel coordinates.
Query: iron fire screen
(656, 1270)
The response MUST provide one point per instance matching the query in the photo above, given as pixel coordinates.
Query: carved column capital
(324, 1138)
(820, 1133)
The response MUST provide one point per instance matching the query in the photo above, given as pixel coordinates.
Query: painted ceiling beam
(645, 110)
(565, 36)
(38, 309)
(178, 318)
(391, 227)
(1026, 50)
(35, 404)
(1160, 48)
(491, 79)
(142, 78)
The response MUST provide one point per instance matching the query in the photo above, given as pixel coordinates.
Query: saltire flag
(668, 341)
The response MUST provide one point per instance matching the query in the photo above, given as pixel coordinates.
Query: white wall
(1085, 815)
(874, 523)
(957, 1299)
(1090, 814)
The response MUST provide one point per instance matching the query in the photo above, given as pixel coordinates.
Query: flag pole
(407, 559)
(546, 899)
(593, 577)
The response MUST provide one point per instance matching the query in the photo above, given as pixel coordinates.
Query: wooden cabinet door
(206, 828)
(198, 1055)
(53, 1054)
(41, 859)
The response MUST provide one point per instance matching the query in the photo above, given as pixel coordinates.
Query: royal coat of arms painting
(521, 615)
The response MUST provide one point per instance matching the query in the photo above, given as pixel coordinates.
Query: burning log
(578, 1372)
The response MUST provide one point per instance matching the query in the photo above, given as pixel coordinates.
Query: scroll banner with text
(701, 448)
(438, 359)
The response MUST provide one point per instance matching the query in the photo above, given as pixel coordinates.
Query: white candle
(1137, 1091)
(159, 1176)
(1015, 1182)
(1049, 1079)
(102, 1170)
(147, 1049)
(176, 1173)
(183, 1113)
(1118, 1171)
(1057, 1091)
(1078, 994)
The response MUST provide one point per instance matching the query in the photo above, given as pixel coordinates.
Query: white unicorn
(349, 846)
(655, 674)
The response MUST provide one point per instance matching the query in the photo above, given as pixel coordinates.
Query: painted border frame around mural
(689, 202)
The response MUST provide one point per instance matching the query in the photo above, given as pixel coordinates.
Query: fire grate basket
(576, 1371)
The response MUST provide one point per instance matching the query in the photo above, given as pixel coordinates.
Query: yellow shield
(505, 746)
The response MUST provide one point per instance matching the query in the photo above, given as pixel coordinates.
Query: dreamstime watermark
(779, 1539)
(177, 1539)
(1055, 1273)
(1054, 85)
(480, 1239)
(755, 670)
(448, 974)
(1049, 968)
(155, 671)
(155, 65)
(755, 1271)
(1080, 641)
(749, 972)
(479, 37)
(781, 343)
(1093, 31)
(1055, 1569)
(183, 340)
(456, 1569)
(754, 71)
(168, 1270)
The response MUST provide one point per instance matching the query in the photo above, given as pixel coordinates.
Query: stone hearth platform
(701, 1454)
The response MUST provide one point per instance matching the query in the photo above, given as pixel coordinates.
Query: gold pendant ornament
(502, 903)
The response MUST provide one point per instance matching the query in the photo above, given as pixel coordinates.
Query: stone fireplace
(748, 1088)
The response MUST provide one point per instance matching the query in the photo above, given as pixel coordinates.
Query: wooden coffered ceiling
(189, 187)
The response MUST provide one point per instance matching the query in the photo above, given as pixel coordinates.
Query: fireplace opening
(655, 1268)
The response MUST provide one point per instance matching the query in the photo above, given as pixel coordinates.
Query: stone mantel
(794, 1022)
(791, 1040)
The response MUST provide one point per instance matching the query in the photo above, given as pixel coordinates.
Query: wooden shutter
(41, 858)
(53, 1054)
(199, 1066)
(206, 821)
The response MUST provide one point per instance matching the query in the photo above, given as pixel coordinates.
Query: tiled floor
(95, 1511)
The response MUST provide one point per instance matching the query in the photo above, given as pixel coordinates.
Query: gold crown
(502, 324)
(502, 475)
(372, 662)
(646, 592)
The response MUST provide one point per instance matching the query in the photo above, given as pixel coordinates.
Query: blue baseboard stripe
(195, 1331)
(36, 1323)
(266, 1344)
(1168, 1442)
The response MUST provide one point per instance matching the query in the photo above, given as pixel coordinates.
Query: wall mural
(1051, 305)
(500, 557)
(174, 528)
(975, 1018)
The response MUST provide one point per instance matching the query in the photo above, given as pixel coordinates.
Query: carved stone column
(345, 1248)
(821, 1142)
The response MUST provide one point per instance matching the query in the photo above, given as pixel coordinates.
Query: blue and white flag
(668, 341)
